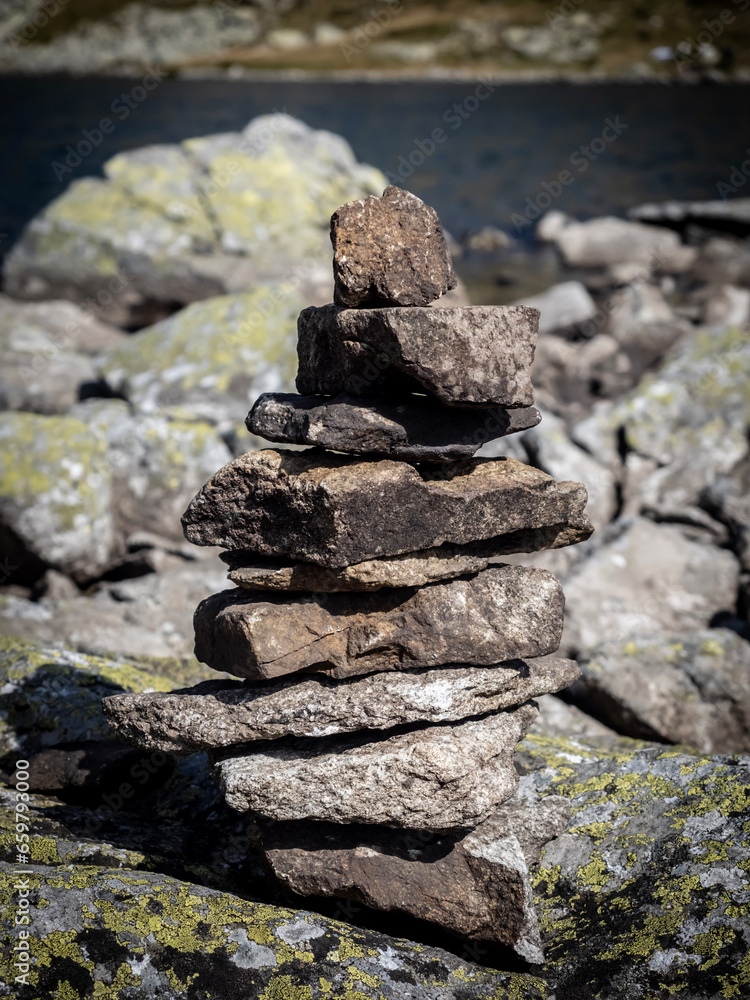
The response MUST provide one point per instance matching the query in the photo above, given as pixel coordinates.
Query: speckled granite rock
(473, 885)
(465, 356)
(499, 614)
(691, 688)
(334, 510)
(415, 430)
(220, 714)
(146, 935)
(389, 251)
(432, 778)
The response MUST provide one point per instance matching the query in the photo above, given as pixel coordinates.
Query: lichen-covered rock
(415, 429)
(647, 893)
(209, 361)
(463, 356)
(442, 777)
(389, 251)
(502, 613)
(178, 223)
(55, 497)
(221, 714)
(48, 351)
(135, 934)
(691, 688)
(337, 510)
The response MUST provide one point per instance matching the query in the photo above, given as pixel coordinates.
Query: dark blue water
(497, 152)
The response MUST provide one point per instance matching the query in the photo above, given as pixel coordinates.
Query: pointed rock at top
(389, 251)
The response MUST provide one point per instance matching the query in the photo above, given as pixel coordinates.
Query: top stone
(389, 251)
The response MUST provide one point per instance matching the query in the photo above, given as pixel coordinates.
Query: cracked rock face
(475, 886)
(335, 510)
(463, 356)
(415, 430)
(220, 713)
(503, 613)
(389, 251)
(435, 778)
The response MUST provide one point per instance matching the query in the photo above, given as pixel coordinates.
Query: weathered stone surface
(465, 356)
(153, 931)
(500, 614)
(413, 430)
(691, 688)
(221, 714)
(563, 308)
(610, 241)
(389, 251)
(476, 885)
(335, 511)
(414, 569)
(647, 579)
(433, 778)
(731, 214)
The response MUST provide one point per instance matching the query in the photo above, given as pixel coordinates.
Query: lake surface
(499, 148)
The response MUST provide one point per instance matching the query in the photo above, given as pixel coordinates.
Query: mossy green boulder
(177, 223)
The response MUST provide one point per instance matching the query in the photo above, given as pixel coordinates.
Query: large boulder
(176, 223)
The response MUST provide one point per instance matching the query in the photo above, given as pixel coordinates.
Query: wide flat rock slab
(413, 569)
(336, 510)
(415, 430)
(463, 356)
(218, 714)
(389, 251)
(475, 886)
(503, 613)
(437, 778)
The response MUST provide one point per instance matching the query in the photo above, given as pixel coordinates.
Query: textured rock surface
(500, 614)
(474, 885)
(562, 308)
(177, 223)
(414, 569)
(691, 688)
(48, 351)
(154, 933)
(220, 714)
(335, 511)
(612, 241)
(414, 430)
(389, 251)
(646, 579)
(434, 778)
(465, 356)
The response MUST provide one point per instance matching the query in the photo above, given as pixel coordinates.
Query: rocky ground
(591, 39)
(142, 315)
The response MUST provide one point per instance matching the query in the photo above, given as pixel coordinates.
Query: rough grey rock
(48, 351)
(558, 718)
(415, 430)
(731, 214)
(643, 324)
(691, 688)
(465, 356)
(645, 580)
(563, 307)
(163, 930)
(475, 886)
(411, 570)
(610, 241)
(220, 714)
(727, 499)
(334, 510)
(500, 614)
(433, 778)
(389, 251)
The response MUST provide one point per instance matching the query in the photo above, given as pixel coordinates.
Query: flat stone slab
(434, 778)
(335, 510)
(218, 714)
(413, 569)
(463, 356)
(475, 886)
(417, 430)
(389, 251)
(503, 613)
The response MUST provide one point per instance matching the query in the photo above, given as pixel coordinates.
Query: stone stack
(388, 657)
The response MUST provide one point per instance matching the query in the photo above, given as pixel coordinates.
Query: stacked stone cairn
(388, 657)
